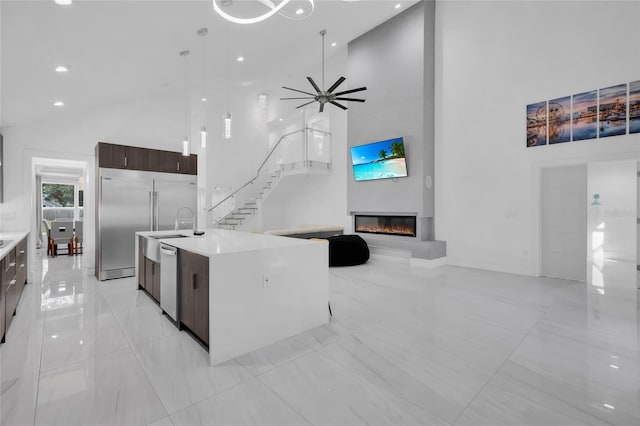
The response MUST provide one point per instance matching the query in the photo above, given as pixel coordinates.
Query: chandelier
(293, 11)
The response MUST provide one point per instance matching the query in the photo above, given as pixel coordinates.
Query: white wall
(492, 59)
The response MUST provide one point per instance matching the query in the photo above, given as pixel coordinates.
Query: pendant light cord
(322, 33)
(186, 100)
(204, 89)
(227, 71)
(185, 54)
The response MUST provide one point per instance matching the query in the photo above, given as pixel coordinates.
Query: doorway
(59, 192)
(564, 222)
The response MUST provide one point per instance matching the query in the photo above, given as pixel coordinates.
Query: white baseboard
(429, 264)
(405, 256)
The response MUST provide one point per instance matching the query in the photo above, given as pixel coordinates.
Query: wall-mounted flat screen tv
(379, 160)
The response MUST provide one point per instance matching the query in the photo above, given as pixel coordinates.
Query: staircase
(250, 207)
(238, 206)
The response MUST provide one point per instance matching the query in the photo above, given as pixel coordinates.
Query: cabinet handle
(125, 161)
(11, 265)
(178, 165)
(193, 281)
(13, 281)
(21, 251)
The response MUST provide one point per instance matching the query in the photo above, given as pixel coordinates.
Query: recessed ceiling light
(398, 6)
(240, 59)
(61, 68)
(58, 103)
(204, 99)
(280, 119)
(299, 11)
(63, 2)
(333, 44)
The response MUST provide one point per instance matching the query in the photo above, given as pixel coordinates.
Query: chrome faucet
(193, 217)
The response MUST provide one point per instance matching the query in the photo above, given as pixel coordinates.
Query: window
(57, 195)
(62, 201)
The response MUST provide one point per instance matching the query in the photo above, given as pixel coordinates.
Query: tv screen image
(379, 160)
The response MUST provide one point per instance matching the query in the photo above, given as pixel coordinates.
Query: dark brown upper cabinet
(153, 160)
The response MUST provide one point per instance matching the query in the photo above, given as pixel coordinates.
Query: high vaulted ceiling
(119, 51)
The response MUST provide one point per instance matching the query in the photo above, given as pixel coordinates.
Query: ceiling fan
(326, 96)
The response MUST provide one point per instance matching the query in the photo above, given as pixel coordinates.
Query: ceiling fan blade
(306, 97)
(349, 99)
(359, 89)
(336, 84)
(338, 105)
(321, 106)
(296, 90)
(313, 83)
(300, 106)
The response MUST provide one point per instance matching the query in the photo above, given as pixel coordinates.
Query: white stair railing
(294, 152)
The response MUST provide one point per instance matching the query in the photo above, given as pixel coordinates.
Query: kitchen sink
(152, 249)
(3, 242)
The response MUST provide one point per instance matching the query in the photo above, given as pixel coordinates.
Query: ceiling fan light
(323, 96)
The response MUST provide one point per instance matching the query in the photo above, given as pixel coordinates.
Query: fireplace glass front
(384, 224)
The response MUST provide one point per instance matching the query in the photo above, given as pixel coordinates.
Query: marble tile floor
(406, 346)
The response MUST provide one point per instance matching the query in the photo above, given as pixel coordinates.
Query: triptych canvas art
(589, 115)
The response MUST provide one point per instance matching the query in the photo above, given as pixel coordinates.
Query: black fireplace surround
(386, 224)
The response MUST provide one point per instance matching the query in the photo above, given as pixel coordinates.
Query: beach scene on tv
(379, 160)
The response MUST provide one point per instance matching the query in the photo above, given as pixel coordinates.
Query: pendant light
(202, 32)
(186, 145)
(226, 133)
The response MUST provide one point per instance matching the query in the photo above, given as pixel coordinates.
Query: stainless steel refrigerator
(130, 201)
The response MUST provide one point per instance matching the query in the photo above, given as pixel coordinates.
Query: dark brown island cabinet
(152, 278)
(194, 294)
(114, 156)
(148, 273)
(13, 268)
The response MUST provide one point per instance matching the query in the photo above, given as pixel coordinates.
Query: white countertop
(222, 241)
(13, 237)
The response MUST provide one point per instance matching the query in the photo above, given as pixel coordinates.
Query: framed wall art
(537, 124)
(612, 113)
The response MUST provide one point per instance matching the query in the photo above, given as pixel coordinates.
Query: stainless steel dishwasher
(169, 280)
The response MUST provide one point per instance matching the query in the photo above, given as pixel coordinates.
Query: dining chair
(61, 233)
(47, 228)
(77, 238)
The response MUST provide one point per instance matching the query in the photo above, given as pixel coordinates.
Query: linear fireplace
(386, 224)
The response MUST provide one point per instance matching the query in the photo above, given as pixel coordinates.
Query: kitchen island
(261, 288)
